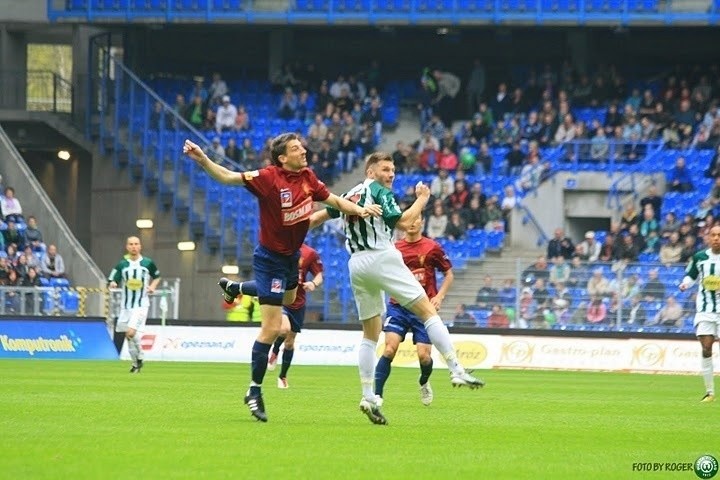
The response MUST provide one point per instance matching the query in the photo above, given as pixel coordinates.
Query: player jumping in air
(423, 257)
(704, 268)
(376, 266)
(285, 191)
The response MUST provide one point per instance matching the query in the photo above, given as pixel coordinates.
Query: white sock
(136, 341)
(132, 349)
(440, 337)
(366, 365)
(707, 371)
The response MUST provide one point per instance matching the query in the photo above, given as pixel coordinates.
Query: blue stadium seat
(59, 282)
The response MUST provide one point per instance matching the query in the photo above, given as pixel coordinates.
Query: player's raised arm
(691, 274)
(422, 192)
(218, 172)
(349, 208)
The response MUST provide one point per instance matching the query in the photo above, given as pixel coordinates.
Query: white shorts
(377, 271)
(707, 324)
(134, 318)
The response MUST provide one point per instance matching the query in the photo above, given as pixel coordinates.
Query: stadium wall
(23, 11)
(339, 347)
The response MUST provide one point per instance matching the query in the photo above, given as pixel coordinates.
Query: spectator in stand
(637, 314)
(429, 150)
(11, 235)
(215, 151)
(338, 86)
(539, 269)
(652, 243)
(487, 295)
(480, 131)
(560, 245)
(608, 251)
(628, 249)
(463, 317)
(474, 215)
(218, 89)
(566, 131)
(680, 178)
(670, 315)
(442, 183)
(509, 202)
(654, 289)
(10, 206)
(52, 263)
(476, 191)
(447, 159)
(437, 223)
(209, 119)
(456, 228)
(436, 127)
(541, 294)
(242, 121)
(560, 271)
(156, 117)
(303, 111)
(31, 260)
(500, 103)
(373, 118)
(528, 309)
(448, 86)
(232, 151)
(498, 318)
(688, 250)
(649, 223)
(328, 160)
(652, 199)
(195, 113)
(671, 252)
(613, 119)
(180, 108)
(598, 285)
(599, 147)
(530, 132)
(347, 152)
(475, 87)
(288, 105)
(248, 155)
(579, 275)
(596, 311)
(21, 267)
(589, 249)
(514, 160)
(713, 170)
(460, 198)
(493, 218)
(483, 159)
(199, 90)
(630, 216)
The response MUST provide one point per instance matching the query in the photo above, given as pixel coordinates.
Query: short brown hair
(279, 146)
(377, 157)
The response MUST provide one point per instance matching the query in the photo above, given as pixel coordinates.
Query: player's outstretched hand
(375, 210)
(682, 287)
(422, 190)
(193, 151)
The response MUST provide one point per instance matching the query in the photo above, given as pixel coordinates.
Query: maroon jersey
(309, 263)
(423, 258)
(286, 203)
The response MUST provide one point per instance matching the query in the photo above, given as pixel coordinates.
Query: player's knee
(290, 342)
(424, 358)
(707, 351)
(130, 334)
(390, 351)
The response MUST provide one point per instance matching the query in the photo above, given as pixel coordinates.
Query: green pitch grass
(92, 420)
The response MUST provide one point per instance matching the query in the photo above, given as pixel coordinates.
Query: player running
(285, 191)
(376, 266)
(423, 257)
(294, 315)
(704, 268)
(139, 277)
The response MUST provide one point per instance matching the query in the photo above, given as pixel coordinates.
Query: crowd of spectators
(25, 260)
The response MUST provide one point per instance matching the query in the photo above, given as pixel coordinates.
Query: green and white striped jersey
(704, 267)
(369, 233)
(134, 276)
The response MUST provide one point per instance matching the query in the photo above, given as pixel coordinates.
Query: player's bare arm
(409, 216)
(442, 291)
(314, 283)
(318, 218)
(349, 208)
(217, 172)
(156, 281)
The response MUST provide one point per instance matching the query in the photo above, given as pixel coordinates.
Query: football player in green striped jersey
(704, 268)
(138, 277)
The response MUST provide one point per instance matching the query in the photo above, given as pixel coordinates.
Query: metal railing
(444, 12)
(36, 91)
(609, 156)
